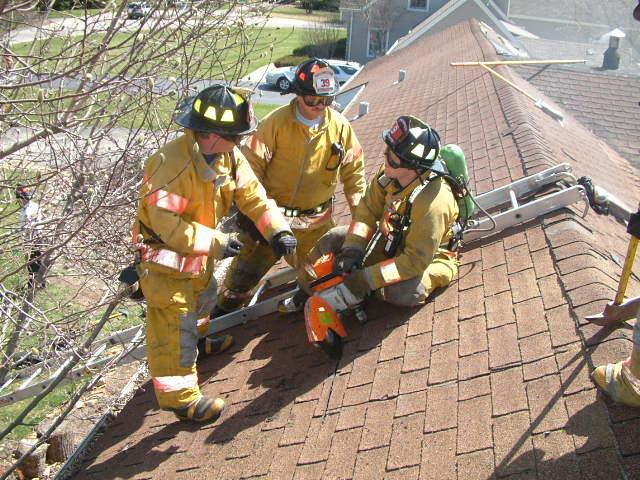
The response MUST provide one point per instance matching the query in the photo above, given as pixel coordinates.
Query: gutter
(72, 464)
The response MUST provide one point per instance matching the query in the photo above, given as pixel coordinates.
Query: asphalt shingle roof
(490, 378)
(605, 102)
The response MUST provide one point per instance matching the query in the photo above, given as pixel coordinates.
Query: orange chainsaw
(330, 302)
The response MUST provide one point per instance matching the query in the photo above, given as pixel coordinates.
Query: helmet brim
(189, 120)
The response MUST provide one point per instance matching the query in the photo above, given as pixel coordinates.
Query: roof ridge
(618, 75)
(522, 123)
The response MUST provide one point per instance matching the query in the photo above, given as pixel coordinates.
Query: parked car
(136, 11)
(283, 76)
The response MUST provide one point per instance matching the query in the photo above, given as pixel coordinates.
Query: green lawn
(263, 44)
(226, 66)
(319, 16)
(56, 398)
(80, 12)
(262, 109)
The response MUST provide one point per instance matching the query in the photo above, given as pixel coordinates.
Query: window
(348, 70)
(422, 5)
(377, 44)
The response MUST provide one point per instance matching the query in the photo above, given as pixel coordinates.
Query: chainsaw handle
(325, 278)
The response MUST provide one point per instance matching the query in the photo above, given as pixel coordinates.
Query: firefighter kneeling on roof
(189, 185)
(416, 211)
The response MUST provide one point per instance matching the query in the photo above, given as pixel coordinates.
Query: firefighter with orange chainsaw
(189, 185)
(413, 248)
(299, 153)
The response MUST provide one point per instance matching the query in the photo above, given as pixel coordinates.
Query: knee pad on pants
(408, 293)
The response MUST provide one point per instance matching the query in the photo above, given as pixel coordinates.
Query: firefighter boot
(212, 345)
(622, 380)
(204, 409)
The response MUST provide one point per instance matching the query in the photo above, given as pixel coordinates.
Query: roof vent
(401, 75)
(611, 60)
(363, 109)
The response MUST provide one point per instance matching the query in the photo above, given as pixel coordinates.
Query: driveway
(66, 26)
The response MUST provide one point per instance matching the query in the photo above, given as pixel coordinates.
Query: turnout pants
(177, 314)
(411, 292)
(256, 259)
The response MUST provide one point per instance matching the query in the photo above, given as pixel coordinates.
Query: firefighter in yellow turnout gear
(416, 211)
(189, 185)
(299, 153)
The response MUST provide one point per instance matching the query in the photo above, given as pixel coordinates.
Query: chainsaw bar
(248, 313)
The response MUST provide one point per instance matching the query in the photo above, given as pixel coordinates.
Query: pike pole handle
(633, 228)
(626, 270)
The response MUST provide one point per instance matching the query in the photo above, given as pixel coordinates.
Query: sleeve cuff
(203, 239)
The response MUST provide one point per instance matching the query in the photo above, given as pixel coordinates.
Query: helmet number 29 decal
(324, 81)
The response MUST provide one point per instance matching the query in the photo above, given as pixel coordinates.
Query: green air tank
(453, 158)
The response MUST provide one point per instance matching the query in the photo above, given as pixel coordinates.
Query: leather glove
(284, 243)
(357, 283)
(347, 260)
(232, 248)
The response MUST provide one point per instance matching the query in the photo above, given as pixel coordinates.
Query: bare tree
(85, 98)
(323, 39)
(380, 16)
(380, 13)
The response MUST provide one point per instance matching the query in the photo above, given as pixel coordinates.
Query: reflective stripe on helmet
(227, 117)
(167, 200)
(175, 383)
(389, 271)
(210, 113)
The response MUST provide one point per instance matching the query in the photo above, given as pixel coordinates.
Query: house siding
(406, 20)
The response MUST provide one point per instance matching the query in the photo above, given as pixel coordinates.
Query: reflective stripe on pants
(172, 336)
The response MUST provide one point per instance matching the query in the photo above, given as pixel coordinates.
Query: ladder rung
(523, 187)
(524, 213)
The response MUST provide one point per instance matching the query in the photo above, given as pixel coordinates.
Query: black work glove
(129, 276)
(232, 248)
(347, 260)
(246, 224)
(284, 243)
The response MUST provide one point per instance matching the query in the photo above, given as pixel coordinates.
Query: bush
(290, 60)
(326, 5)
(71, 4)
(340, 50)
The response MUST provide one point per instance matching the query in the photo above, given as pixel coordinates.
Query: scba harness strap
(401, 225)
(402, 222)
